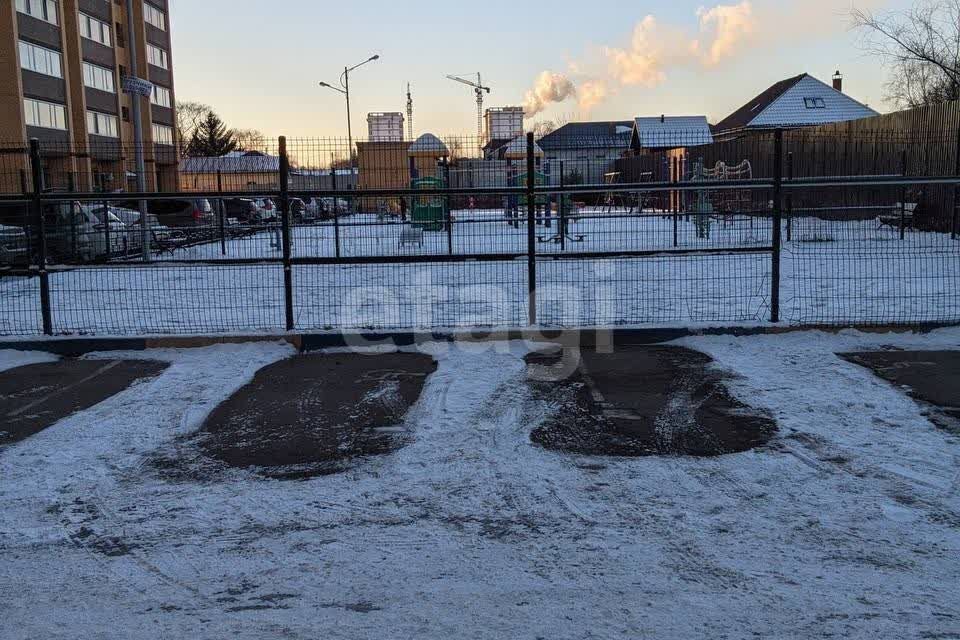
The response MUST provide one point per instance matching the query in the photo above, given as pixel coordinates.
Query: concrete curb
(592, 337)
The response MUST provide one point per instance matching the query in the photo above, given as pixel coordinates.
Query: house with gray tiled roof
(588, 148)
(801, 101)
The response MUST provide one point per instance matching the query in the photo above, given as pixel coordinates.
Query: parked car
(131, 218)
(269, 212)
(193, 216)
(243, 210)
(14, 247)
(74, 233)
(297, 210)
(326, 208)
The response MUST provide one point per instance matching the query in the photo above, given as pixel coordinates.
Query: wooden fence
(918, 142)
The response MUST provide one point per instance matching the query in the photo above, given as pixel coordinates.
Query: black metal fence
(444, 233)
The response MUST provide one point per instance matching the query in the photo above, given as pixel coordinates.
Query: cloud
(592, 93)
(725, 29)
(548, 88)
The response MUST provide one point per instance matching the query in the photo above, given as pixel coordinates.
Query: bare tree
(455, 147)
(189, 117)
(543, 128)
(250, 139)
(921, 46)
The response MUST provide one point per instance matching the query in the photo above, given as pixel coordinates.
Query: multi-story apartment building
(62, 64)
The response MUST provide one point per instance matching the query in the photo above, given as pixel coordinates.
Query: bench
(411, 235)
(898, 211)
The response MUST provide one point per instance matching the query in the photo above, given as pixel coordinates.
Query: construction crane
(409, 113)
(478, 89)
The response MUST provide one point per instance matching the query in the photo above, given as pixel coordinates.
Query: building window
(156, 56)
(154, 16)
(45, 10)
(48, 115)
(97, 77)
(40, 60)
(814, 103)
(162, 134)
(161, 96)
(93, 29)
(102, 124)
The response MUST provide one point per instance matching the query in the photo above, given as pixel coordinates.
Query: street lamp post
(345, 82)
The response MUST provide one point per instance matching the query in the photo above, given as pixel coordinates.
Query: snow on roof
(429, 145)
(232, 163)
(670, 132)
(810, 102)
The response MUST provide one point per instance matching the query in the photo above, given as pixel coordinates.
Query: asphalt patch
(642, 401)
(317, 414)
(930, 377)
(37, 396)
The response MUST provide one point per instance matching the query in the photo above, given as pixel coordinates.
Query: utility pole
(135, 97)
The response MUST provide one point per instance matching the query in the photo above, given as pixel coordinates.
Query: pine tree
(211, 138)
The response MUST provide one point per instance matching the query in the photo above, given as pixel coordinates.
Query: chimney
(838, 81)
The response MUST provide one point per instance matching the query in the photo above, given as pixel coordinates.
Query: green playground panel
(428, 212)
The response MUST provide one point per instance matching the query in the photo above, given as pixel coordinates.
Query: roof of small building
(670, 132)
(589, 135)
(429, 146)
(786, 104)
(517, 149)
(236, 162)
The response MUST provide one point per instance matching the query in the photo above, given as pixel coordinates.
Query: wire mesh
(438, 232)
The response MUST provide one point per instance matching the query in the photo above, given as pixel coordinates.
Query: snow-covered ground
(847, 525)
(833, 272)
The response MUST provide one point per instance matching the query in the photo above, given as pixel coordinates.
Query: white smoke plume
(654, 47)
(549, 88)
(722, 32)
(591, 94)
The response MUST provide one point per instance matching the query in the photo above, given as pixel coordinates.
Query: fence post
(956, 189)
(446, 201)
(222, 210)
(531, 232)
(102, 182)
(777, 222)
(675, 201)
(903, 197)
(285, 222)
(36, 166)
(561, 209)
(336, 218)
(790, 198)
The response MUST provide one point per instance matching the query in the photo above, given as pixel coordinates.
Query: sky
(258, 64)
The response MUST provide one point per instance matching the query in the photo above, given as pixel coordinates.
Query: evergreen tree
(211, 138)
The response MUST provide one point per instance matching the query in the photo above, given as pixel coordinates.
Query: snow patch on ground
(13, 359)
(847, 525)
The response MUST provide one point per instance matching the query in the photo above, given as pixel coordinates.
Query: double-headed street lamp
(345, 82)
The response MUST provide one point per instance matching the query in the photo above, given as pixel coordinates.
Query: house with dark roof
(801, 101)
(589, 148)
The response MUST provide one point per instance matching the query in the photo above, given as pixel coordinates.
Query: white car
(131, 218)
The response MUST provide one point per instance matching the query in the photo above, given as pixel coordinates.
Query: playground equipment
(428, 213)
